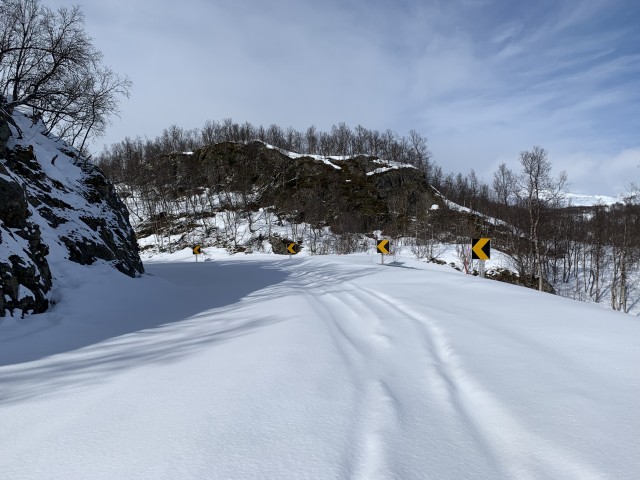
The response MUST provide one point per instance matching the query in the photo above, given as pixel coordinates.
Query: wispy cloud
(482, 79)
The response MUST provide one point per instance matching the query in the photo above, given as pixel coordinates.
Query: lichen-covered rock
(53, 212)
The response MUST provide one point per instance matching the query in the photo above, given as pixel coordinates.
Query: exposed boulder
(14, 208)
(508, 276)
(280, 245)
(5, 133)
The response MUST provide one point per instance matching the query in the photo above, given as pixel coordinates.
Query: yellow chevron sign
(293, 248)
(196, 250)
(384, 247)
(481, 249)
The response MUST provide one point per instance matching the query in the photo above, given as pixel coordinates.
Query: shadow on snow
(98, 311)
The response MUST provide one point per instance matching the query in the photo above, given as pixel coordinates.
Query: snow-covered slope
(55, 208)
(318, 367)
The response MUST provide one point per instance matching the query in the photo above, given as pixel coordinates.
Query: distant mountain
(585, 200)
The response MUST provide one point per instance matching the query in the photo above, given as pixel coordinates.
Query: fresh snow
(294, 155)
(395, 166)
(315, 367)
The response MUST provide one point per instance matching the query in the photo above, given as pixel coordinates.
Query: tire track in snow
(368, 447)
(379, 365)
(438, 381)
(520, 453)
(379, 422)
(442, 375)
(378, 410)
(351, 355)
(513, 450)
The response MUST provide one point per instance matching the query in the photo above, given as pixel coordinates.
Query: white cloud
(480, 80)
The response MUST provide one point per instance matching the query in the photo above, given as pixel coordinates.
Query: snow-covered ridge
(329, 159)
(586, 200)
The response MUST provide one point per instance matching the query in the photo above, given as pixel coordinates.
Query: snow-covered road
(317, 368)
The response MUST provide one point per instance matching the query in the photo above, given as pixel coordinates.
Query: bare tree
(504, 183)
(311, 139)
(48, 63)
(538, 191)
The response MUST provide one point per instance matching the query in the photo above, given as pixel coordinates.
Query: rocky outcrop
(356, 194)
(508, 276)
(54, 207)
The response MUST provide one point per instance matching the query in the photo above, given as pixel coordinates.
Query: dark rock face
(13, 201)
(355, 195)
(347, 196)
(117, 245)
(5, 133)
(82, 214)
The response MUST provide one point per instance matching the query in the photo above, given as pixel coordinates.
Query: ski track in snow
(510, 443)
(377, 408)
(373, 356)
(367, 332)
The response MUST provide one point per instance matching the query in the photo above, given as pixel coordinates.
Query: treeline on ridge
(587, 252)
(122, 160)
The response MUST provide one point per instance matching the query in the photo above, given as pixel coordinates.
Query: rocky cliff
(55, 208)
(348, 194)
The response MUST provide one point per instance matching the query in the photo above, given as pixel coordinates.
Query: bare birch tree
(538, 191)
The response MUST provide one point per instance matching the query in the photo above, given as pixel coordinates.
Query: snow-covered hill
(317, 367)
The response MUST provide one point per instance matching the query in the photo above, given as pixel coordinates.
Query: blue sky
(482, 80)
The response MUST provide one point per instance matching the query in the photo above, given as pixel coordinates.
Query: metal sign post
(293, 249)
(384, 247)
(481, 251)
